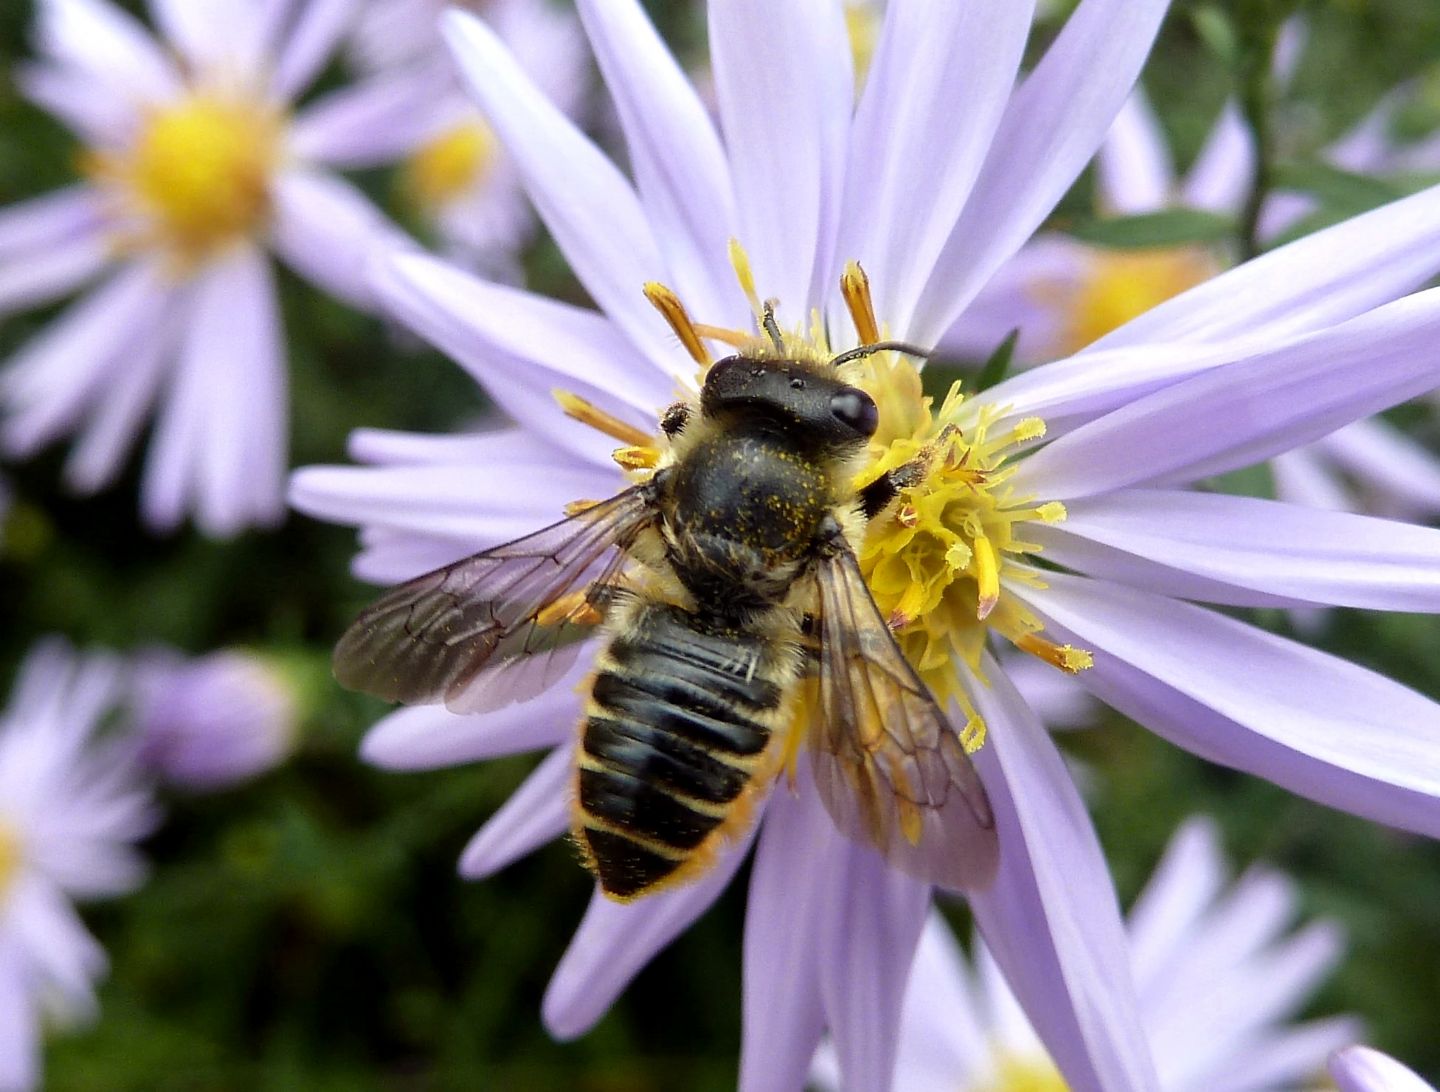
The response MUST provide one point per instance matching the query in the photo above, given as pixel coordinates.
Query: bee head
(792, 395)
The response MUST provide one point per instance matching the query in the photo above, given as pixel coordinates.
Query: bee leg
(675, 419)
(875, 496)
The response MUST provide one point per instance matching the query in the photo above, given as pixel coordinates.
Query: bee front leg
(884, 489)
(675, 418)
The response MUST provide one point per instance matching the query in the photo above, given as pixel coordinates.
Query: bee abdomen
(677, 722)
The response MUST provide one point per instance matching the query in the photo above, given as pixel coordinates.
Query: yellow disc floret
(9, 858)
(1119, 285)
(450, 165)
(1024, 1074)
(198, 175)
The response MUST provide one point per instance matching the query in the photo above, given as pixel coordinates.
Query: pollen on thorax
(450, 165)
(197, 177)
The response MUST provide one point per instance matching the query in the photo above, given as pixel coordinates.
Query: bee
(731, 596)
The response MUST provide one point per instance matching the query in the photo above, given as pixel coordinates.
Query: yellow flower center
(198, 176)
(9, 858)
(863, 20)
(450, 165)
(937, 559)
(1119, 285)
(1025, 1074)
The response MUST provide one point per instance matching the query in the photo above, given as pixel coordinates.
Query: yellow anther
(855, 287)
(636, 457)
(450, 165)
(738, 338)
(587, 413)
(9, 858)
(1067, 658)
(668, 304)
(1051, 512)
(908, 608)
(574, 608)
(972, 736)
(987, 576)
(1028, 428)
(740, 262)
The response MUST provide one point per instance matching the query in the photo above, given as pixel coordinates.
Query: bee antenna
(862, 351)
(772, 328)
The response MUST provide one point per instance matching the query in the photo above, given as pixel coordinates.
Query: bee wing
(887, 762)
(475, 634)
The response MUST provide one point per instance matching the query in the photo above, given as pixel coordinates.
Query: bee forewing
(467, 633)
(887, 763)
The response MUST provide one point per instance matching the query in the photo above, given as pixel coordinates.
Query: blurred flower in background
(1219, 981)
(1272, 348)
(411, 109)
(212, 721)
(1361, 1069)
(194, 167)
(72, 805)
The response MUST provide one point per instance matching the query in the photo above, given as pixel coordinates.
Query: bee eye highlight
(856, 410)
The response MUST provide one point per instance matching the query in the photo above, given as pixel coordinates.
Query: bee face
(809, 404)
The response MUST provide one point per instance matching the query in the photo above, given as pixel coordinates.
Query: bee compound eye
(856, 410)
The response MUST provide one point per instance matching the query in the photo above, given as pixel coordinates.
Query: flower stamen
(1067, 658)
(855, 288)
(587, 413)
(673, 311)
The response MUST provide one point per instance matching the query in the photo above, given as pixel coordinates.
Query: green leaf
(1341, 190)
(998, 366)
(1214, 28)
(1169, 227)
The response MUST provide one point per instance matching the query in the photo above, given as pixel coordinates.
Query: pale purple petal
(329, 232)
(216, 33)
(100, 121)
(588, 205)
(19, 1021)
(616, 939)
(1052, 126)
(49, 384)
(1133, 172)
(1050, 918)
(866, 935)
(53, 272)
(680, 168)
(431, 737)
(371, 123)
(1363, 1069)
(1271, 402)
(1222, 173)
(785, 89)
(1282, 551)
(1394, 473)
(782, 1013)
(1311, 283)
(536, 813)
(1312, 723)
(930, 58)
(1287, 1059)
(109, 46)
(1303, 476)
(522, 347)
(1166, 914)
(28, 228)
(308, 44)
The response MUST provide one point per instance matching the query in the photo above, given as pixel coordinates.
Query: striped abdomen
(679, 719)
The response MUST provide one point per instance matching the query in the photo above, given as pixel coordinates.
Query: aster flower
(1296, 344)
(194, 166)
(1361, 1069)
(413, 111)
(1218, 976)
(71, 809)
(1063, 295)
(212, 721)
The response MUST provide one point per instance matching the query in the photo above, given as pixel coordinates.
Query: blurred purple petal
(537, 812)
(308, 43)
(1362, 1069)
(328, 232)
(1134, 173)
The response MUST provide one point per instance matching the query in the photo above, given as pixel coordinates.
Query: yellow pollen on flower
(450, 165)
(862, 22)
(1014, 1073)
(636, 457)
(198, 176)
(9, 857)
(1119, 285)
(1067, 658)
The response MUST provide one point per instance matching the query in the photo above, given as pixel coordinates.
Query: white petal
(1183, 885)
(1361, 1069)
(785, 89)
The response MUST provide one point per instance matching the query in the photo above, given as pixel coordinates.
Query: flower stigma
(1119, 285)
(450, 165)
(197, 177)
(938, 557)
